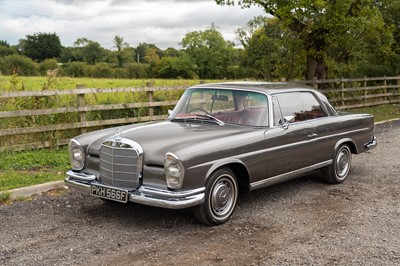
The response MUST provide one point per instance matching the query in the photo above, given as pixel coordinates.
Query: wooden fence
(17, 134)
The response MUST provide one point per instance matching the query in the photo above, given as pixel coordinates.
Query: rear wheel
(338, 171)
(220, 198)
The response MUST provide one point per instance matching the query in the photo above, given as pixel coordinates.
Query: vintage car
(220, 139)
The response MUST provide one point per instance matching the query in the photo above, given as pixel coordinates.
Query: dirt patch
(299, 222)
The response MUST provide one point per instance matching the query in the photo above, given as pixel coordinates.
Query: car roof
(264, 87)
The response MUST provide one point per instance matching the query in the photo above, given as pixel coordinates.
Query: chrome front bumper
(145, 195)
(372, 144)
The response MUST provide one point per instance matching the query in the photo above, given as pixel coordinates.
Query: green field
(10, 83)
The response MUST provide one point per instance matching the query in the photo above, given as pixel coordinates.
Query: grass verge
(21, 169)
(380, 113)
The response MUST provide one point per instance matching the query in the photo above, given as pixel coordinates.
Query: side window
(291, 105)
(312, 108)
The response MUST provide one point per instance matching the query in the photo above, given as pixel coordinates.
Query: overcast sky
(162, 22)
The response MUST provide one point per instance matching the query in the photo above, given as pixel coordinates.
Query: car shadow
(136, 216)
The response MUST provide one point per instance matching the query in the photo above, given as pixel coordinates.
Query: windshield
(220, 105)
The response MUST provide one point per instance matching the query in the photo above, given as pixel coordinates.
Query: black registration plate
(109, 193)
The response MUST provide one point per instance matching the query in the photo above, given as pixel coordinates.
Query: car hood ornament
(118, 133)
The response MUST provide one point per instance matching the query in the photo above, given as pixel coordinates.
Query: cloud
(162, 22)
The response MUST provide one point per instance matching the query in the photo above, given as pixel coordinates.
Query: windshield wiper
(219, 122)
(199, 117)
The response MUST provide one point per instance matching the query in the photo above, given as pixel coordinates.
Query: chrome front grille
(120, 164)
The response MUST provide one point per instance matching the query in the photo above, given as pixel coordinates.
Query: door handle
(313, 135)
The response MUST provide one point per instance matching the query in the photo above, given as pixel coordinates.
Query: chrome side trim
(372, 144)
(288, 176)
(151, 196)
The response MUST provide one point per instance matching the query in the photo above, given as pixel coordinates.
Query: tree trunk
(316, 68)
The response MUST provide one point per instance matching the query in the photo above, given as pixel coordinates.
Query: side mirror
(287, 120)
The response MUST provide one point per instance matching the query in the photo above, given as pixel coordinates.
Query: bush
(48, 64)
(19, 64)
(76, 69)
(102, 70)
(136, 70)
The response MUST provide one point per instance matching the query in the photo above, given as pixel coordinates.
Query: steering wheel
(198, 109)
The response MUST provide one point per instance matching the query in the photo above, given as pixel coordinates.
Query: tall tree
(271, 51)
(318, 23)
(120, 45)
(41, 46)
(208, 52)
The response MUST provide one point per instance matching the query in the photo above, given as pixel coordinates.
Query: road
(299, 222)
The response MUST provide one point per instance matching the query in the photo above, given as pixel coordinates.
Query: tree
(120, 44)
(41, 46)
(207, 52)
(271, 51)
(319, 23)
(4, 43)
(91, 51)
(142, 49)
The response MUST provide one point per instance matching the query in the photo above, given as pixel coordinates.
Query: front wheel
(220, 198)
(337, 172)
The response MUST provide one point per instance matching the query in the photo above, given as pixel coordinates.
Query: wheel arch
(348, 141)
(239, 169)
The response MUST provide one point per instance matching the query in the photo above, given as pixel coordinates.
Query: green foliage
(76, 69)
(272, 51)
(339, 31)
(173, 67)
(102, 70)
(381, 113)
(5, 196)
(6, 50)
(135, 70)
(89, 50)
(19, 169)
(207, 53)
(48, 64)
(41, 46)
(120, 45)
(18, 64)
(4, 43)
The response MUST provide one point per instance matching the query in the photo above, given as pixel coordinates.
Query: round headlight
(174, 171)
(77, 155)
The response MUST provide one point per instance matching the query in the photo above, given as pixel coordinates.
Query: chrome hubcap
(223, 197)
(343, 163)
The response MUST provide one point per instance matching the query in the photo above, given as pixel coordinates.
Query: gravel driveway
(299, 222)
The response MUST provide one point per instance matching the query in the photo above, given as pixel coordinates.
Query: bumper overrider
(371, 144)
(144, 195)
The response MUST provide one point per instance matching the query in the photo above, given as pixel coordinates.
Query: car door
(289, 148)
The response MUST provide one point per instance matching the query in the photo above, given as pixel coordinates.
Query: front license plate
(119, 195)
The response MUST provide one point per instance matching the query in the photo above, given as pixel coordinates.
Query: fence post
(150, 99)
(81, 103)
(315, 83)
(385, 88)
(398, 86)
(342, 93)
(365, 90)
